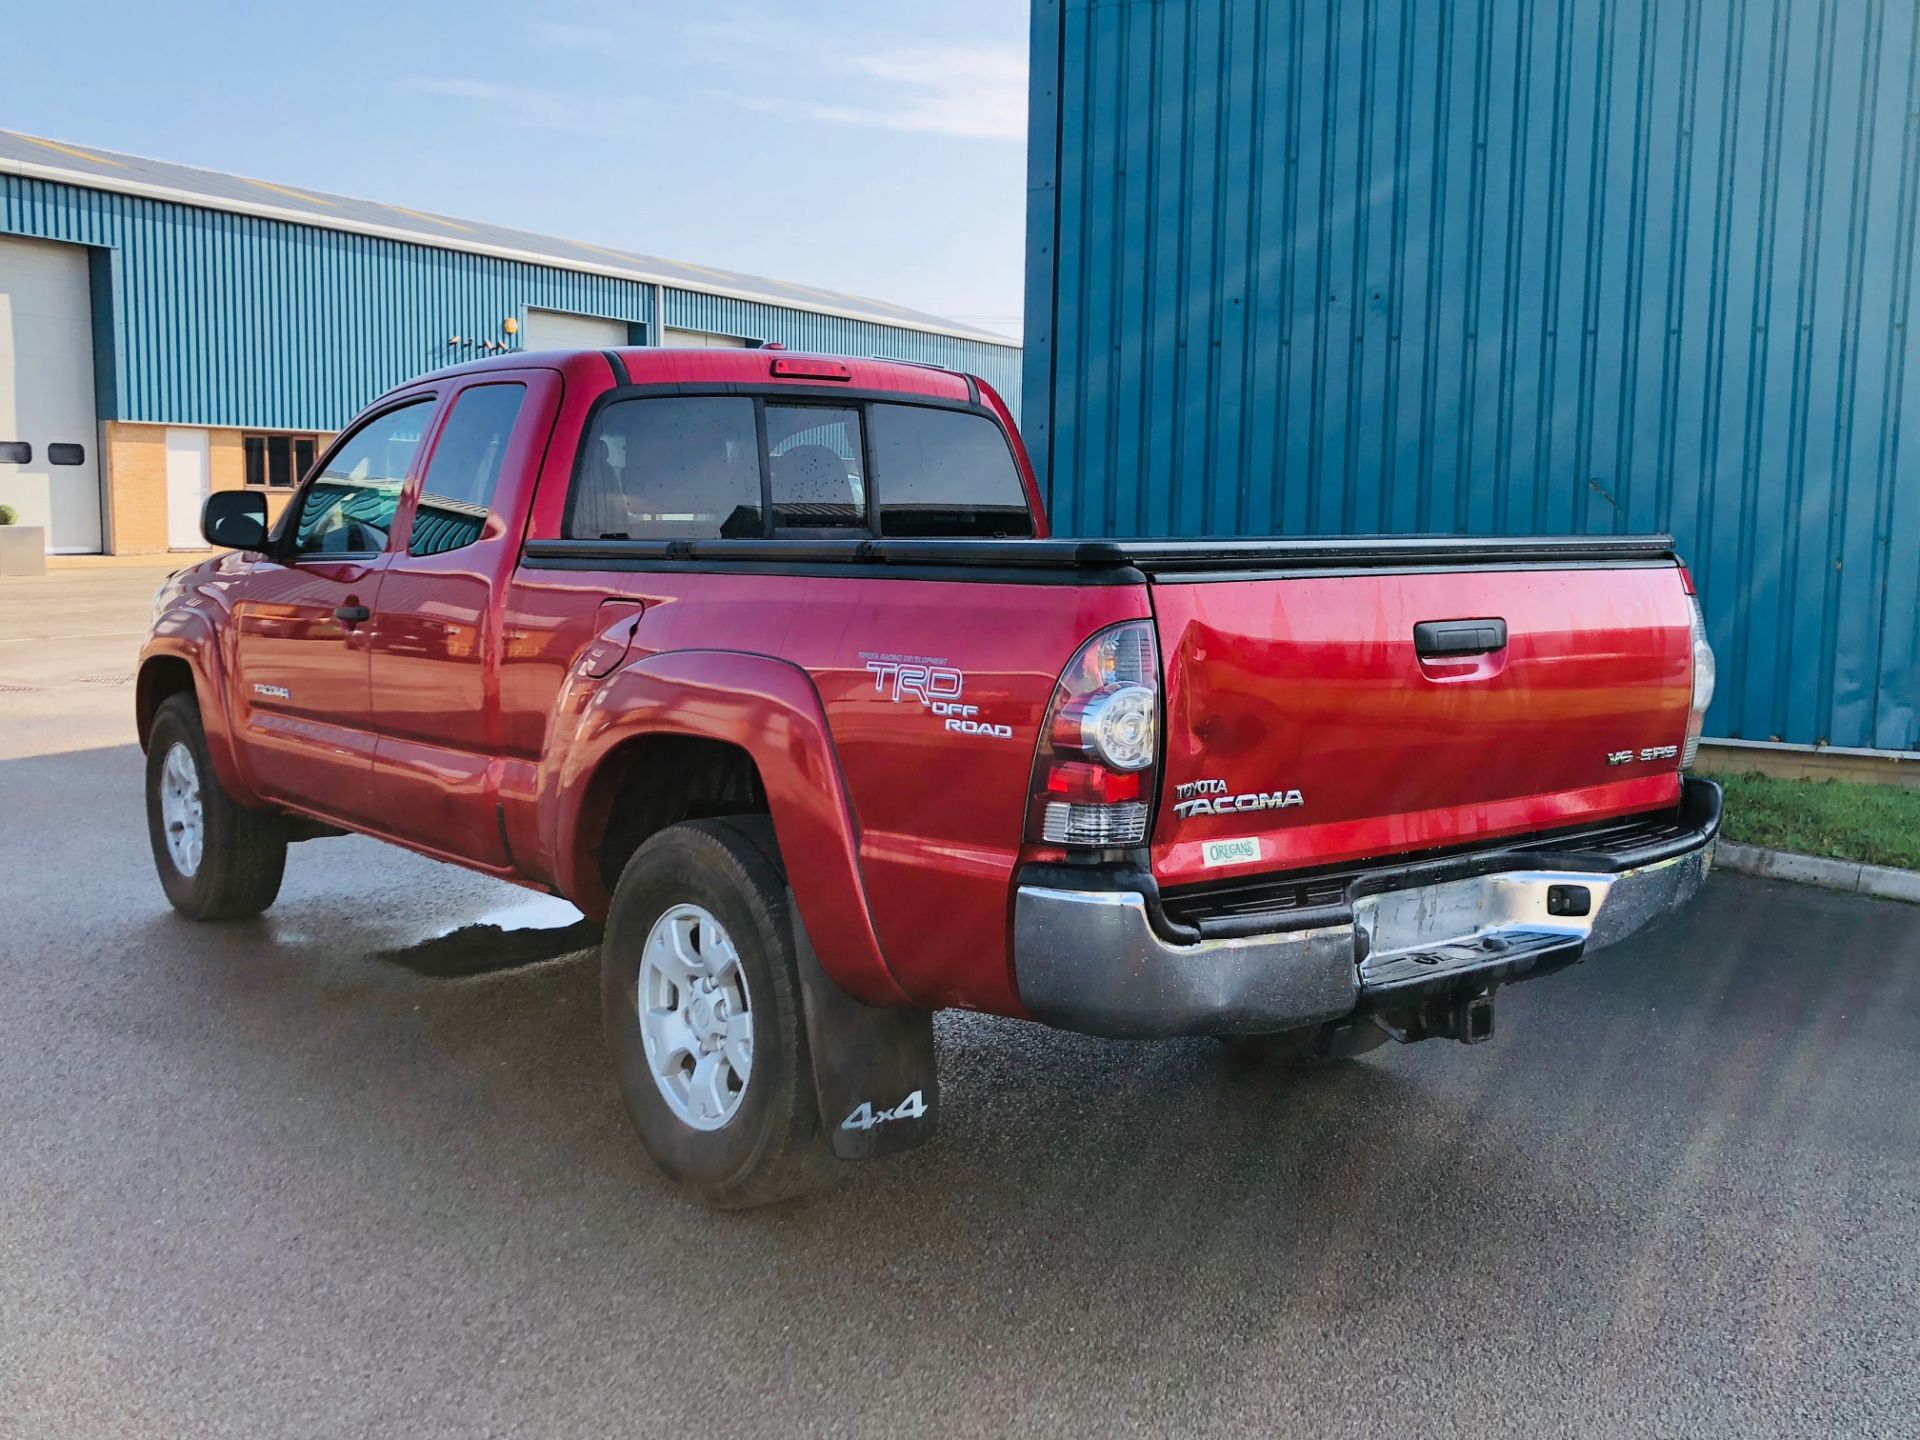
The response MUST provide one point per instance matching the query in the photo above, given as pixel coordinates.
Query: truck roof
(650, 365)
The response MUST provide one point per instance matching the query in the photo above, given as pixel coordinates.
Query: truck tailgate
(1323, 718)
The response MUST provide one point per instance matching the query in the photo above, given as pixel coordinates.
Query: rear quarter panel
(939, 813)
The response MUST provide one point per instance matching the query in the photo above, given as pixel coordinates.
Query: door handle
(352, 614)
(1433, 639)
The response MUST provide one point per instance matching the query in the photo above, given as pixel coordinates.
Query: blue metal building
(1504, 266)
(177, 329)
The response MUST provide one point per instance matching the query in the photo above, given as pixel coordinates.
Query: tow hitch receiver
(1468, 1019)
(1472, 1022)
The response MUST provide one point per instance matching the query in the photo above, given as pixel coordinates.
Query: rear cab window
(714, 467)
(945, 473)
(669, 468)
(816, 464)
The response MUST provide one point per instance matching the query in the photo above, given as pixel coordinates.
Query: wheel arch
(161, 677)
(184, 661)
(740, 734)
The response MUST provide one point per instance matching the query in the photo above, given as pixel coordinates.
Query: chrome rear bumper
(1094, 961)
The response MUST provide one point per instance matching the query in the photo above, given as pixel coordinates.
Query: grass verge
(1875, 824)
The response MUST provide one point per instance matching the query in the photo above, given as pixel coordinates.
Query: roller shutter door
(49, 436)
(556, 330)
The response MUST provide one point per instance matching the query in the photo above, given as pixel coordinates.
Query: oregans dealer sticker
(1230, 852)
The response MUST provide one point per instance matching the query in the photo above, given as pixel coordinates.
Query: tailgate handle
(1435, 638)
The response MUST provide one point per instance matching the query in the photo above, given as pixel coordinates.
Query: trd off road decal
(936, 686)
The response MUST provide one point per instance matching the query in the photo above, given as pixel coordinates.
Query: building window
(276, 462)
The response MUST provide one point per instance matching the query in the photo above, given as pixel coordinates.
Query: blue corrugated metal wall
(221, 319)
(998, 365)
(1403, 265)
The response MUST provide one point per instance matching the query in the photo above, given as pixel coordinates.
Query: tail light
(1099, 743)
(1703, 679)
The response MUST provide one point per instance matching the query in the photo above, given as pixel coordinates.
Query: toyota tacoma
(769, 664)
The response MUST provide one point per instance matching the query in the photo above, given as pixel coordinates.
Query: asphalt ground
(270, 1179)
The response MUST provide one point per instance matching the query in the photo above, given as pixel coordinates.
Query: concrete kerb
(1880, 881)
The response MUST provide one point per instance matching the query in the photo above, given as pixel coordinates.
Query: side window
(458, 488)
(349, 507)
(814, 459)
(943, 473)
(672, 468)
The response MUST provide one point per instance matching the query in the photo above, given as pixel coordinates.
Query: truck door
(303, 622)
(433, 657)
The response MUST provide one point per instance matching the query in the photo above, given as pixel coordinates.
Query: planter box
(23, 550)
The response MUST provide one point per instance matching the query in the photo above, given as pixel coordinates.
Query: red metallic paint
(436, 650)
(300, 684)
(769, 708)
(1312, 683)
(504, 697)
(189, 632)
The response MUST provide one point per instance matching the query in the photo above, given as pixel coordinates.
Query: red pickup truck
(767, 661)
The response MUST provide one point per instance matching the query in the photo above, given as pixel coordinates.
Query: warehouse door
(556, 330)
(49, 472)
(703, 340)
(189, 478)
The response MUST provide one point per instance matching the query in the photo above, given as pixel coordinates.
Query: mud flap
(873, 1069)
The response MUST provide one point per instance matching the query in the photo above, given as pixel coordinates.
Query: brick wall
(135, 477)
(135, 457)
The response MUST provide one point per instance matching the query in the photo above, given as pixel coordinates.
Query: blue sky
(870, 147)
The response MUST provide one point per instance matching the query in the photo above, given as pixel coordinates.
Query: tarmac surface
(272, 1179)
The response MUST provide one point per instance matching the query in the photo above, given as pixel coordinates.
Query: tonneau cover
(1147, 558)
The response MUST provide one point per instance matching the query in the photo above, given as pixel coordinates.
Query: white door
(49, 471)
(703, 340)
(557, 330)
(189, 478)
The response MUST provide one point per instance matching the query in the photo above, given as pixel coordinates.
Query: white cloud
(968, 91)
(532, 107)
(973, 92)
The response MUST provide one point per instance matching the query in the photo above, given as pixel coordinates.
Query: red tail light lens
(1099, 743)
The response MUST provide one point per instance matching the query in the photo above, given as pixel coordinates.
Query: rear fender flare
(770, 709)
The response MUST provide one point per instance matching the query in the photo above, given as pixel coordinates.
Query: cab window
(814, 461)
(671, 468)
(945, 473)
(457, 491)
(349, 507)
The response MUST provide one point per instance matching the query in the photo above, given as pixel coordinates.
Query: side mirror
(235, 520)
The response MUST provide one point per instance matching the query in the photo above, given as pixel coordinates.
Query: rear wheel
(1314, 1048)
(701, 1000)
(217, 859)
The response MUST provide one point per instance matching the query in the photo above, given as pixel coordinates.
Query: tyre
(1315, 1048)
(701, 1000)
(217, 859)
